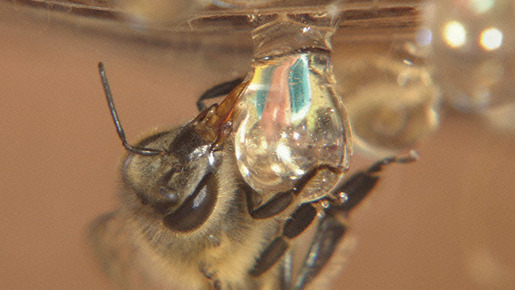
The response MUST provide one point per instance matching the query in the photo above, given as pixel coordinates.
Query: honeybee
(187, 219)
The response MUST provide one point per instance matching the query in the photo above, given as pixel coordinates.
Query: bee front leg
(282, 200)
(357, 187)
(294, 225)
(332, 226)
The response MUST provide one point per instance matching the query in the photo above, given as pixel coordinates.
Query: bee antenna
(116, 118)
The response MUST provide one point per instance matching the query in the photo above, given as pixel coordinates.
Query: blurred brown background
(446, 222)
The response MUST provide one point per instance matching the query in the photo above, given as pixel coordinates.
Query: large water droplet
(389, 95)
(289, 120)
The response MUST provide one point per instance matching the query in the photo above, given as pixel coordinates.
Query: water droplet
(290, 121)
(391, 100)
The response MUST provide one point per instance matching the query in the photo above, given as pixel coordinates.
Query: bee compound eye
(196, 209)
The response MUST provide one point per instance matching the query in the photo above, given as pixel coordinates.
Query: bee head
(173, 172)
(178, 183)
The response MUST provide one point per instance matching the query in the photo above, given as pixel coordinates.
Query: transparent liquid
(289, 123)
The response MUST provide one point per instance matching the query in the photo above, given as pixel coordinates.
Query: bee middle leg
(294, 225)
(331, 227)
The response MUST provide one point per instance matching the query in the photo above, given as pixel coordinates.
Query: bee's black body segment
(357, 188)
(185, 143)
(273, 207)
(300, 220)
(270, 256)
(281, 200)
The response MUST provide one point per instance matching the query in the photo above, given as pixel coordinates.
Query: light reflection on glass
(491, 39)
(472, 52)
(454, 34)
(424, 37)
(145, 14)
(481, 6)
